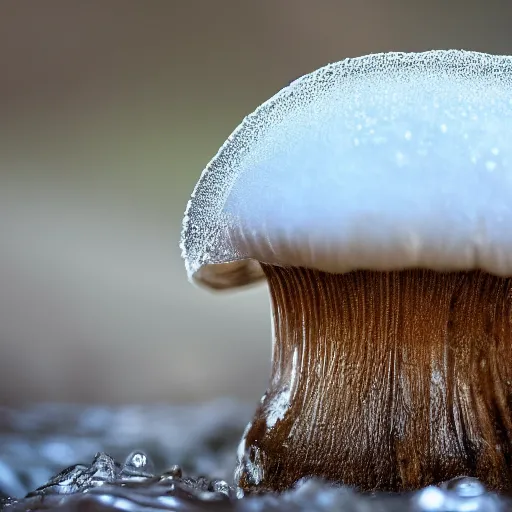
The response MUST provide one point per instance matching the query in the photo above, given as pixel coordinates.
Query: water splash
(104, 484)
(108, 485)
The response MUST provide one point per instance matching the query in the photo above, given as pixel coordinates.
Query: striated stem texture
(384, 380)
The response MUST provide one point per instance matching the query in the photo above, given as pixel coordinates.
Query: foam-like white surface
(383, 162)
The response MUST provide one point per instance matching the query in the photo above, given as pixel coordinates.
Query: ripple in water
(104, 484)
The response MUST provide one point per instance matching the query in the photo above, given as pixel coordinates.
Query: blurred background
(109, 110)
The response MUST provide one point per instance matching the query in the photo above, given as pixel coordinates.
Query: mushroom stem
(384, 380)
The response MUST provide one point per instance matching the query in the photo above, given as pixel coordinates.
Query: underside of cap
(383, 162)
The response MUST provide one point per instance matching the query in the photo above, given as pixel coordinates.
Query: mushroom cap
(383, 162)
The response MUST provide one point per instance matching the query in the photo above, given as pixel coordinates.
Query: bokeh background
(109, 110)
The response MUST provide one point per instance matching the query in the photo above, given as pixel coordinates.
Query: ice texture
(202, 438)
(383, 162)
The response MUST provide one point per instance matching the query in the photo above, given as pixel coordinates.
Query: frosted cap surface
(383, 162)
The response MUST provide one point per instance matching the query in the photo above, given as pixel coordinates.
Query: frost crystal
(380, 162)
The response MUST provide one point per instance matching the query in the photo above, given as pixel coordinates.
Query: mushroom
(374, 195)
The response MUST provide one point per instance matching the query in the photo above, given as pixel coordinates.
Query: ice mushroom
(375, 197)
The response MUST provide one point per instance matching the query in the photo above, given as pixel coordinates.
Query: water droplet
(443, 128)
(408, 135)
(137, 464)
(431, 499)
(356, 141)
(137, 459)
(466, 487)
(495, 151)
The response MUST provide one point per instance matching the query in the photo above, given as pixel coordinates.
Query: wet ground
(150, 458)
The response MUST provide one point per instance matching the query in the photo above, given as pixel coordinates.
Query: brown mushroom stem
(384, 380)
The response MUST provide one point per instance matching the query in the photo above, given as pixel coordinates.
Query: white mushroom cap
(383, 162)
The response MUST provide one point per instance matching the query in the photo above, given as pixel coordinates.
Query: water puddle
(180, 444)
